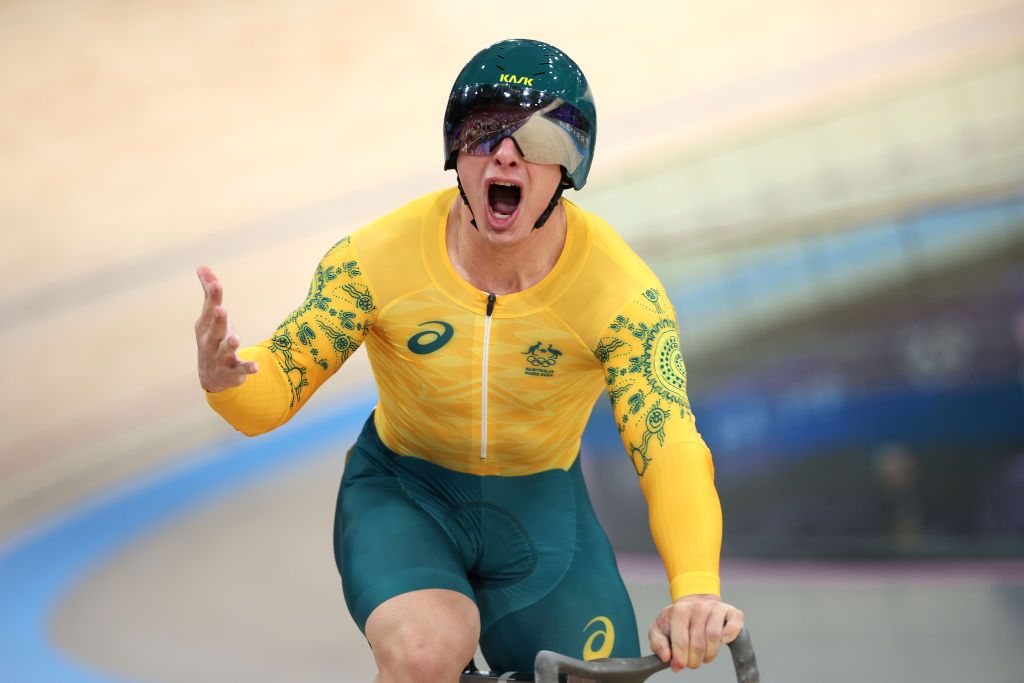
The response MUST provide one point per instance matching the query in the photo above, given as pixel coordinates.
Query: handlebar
(549, 665)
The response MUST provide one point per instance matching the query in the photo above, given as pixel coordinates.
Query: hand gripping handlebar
(549, 665)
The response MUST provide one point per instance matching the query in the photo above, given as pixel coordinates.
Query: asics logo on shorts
(605, 638)
(431, 340)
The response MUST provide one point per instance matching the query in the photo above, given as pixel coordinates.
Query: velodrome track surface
(139, 538)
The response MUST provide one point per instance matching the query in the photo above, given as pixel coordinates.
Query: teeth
(502, 216)
(498, 182)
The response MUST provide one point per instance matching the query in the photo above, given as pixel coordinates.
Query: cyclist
(495, 312)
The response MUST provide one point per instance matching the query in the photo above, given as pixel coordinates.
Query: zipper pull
(490, 304)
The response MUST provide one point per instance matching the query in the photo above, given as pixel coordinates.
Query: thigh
(385, 544)
(587, 614)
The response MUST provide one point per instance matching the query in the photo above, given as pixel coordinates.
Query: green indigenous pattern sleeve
(646, 381)
(306, 349)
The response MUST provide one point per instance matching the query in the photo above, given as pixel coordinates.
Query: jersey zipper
(483, 393)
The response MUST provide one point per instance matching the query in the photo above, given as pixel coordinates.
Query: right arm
(306, 349)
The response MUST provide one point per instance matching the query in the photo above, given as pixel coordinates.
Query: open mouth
(503, 199)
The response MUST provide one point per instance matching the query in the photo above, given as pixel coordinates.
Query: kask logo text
(518, 80)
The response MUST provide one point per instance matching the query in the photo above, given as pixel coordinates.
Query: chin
(508, 234)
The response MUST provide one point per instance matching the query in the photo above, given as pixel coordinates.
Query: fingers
(681, 640)
(219, 365)
(227, 357)
(243, 370)
(715, 627)
(222, 368)
(212, 324)
(658, 635)
(211, 333)
(207, 277)
(213, 293)
(723, 625)
(734, 619)
(226, 349)
(218, 328)
(699, 618)
(692, 631)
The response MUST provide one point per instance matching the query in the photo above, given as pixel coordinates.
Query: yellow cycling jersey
(502, 385)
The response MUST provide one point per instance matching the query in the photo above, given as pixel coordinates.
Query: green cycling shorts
(527, 550)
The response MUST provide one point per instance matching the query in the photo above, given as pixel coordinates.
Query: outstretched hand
(219, 365)
(691, 630)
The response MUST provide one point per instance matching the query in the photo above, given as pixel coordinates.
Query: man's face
(506, 192)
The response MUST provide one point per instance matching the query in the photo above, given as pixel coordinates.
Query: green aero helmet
(531, 92)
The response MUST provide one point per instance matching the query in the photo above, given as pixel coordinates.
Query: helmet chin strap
(465, 200)
(551, 205)
(540, 221)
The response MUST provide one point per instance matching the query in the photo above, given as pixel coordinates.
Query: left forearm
(685, 517)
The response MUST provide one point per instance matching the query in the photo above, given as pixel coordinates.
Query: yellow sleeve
(306, 349)
(646, 381)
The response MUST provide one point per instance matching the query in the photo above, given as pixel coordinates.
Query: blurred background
(832, 193)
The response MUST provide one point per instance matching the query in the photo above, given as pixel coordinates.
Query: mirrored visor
(547, 129)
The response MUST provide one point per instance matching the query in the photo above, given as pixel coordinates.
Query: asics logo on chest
(431, 340)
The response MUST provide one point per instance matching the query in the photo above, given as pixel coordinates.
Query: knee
(416, 653)
(428, 635)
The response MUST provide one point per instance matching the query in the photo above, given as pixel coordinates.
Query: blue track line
(41, 567)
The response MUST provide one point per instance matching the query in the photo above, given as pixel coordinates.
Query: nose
(507, 153)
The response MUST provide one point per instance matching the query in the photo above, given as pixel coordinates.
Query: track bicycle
(551, 667)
